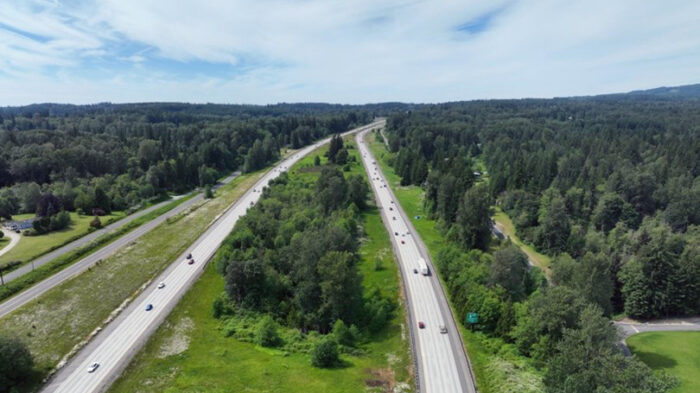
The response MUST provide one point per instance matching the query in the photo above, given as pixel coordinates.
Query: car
(402, 241)
(443, 329)
(149, 307)
(251, 203)
(161, 285)
(396, 234)
(189, 256)
(393, 218)
(91, 368)
(391, 201)
(391, 208)
(190, 262)
(415, 271)
(421, 325)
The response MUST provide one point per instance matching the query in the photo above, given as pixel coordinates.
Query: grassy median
(190, 353)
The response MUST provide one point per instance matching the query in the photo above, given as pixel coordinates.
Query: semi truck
(423, 267)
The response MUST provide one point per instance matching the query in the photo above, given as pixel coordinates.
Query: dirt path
(14, 239)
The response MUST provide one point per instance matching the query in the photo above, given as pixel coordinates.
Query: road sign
(472, 317)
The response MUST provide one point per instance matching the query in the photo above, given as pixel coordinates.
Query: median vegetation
(339, 264)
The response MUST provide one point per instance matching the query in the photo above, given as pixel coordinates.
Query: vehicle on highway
(402, 241)
(91, 368)
(415, 271)
(251, 203)
(391, 208)
(393, 218)
(443, 329)
(423, 267)
(149, 307)
(189, 256)
(190, 262)
(396, 233)
(161, 285)
(421, 324)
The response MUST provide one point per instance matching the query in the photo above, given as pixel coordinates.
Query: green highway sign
(472, 317)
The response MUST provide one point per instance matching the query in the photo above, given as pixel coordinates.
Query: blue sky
(268, 51)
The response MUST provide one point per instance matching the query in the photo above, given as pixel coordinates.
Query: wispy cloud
(264, 51)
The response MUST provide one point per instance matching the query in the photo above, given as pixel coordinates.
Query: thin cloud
(263, 51)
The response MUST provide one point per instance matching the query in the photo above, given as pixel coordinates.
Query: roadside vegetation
(26, 280)
(36, 245)
(677, 353)
(229, 337)
(57, 323)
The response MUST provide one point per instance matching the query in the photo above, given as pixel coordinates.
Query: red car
(190, 262)
(421, 325)
(403, 242)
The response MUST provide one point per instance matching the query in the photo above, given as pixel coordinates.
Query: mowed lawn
(677, 353)
(190, 353)
(30, 247)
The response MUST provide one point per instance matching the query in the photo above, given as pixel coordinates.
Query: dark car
(149, 307)
(396, 233)
(415, 271)
(190, 262)
(403, 242)
(189, 256)
(421, 325)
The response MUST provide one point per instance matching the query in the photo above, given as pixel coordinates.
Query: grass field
(500, 372)
(189, 353)
(540, 260)
(677, 353)
(30, 247)
(54, 323)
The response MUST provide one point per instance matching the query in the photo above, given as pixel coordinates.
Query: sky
(351, 51)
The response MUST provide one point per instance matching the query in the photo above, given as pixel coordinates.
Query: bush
(15, 363)
(325, 353)
(2, 234)
(96, 223)
(267, 335)
(344, 335)
(60, 221)
(208, 192)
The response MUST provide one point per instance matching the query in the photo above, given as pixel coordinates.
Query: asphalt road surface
(629, 327)
(115, 345)
(14, 239)
(75, 269)
(442, 363)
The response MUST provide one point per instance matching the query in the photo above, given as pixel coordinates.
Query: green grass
(54, 323)
(190, 353)
(677, 353)
(497, 368)
(26, 280)
(30, 247)
(4, 241)
(540, 260)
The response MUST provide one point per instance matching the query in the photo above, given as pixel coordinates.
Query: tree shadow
(656, 360)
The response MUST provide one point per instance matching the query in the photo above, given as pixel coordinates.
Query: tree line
(606, 186)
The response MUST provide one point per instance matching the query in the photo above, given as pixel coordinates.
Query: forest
(607, 187)
(294, 256)
(98, 158)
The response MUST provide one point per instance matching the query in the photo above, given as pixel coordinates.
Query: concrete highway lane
(442, 364)
(75, 269)
(114, 347)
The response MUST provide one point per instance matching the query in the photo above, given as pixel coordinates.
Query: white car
(443, 329)
(161, 285)
(91, 368)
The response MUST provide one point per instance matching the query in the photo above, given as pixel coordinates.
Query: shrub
(15, 363)
(267, 335)
(96, 223)
(325, 353)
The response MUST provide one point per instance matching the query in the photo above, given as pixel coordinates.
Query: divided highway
(75, 269)
(442, 364)
(114, 346)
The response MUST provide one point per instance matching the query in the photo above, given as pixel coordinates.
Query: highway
(75, 269)
(115, 345)
(442, 364)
